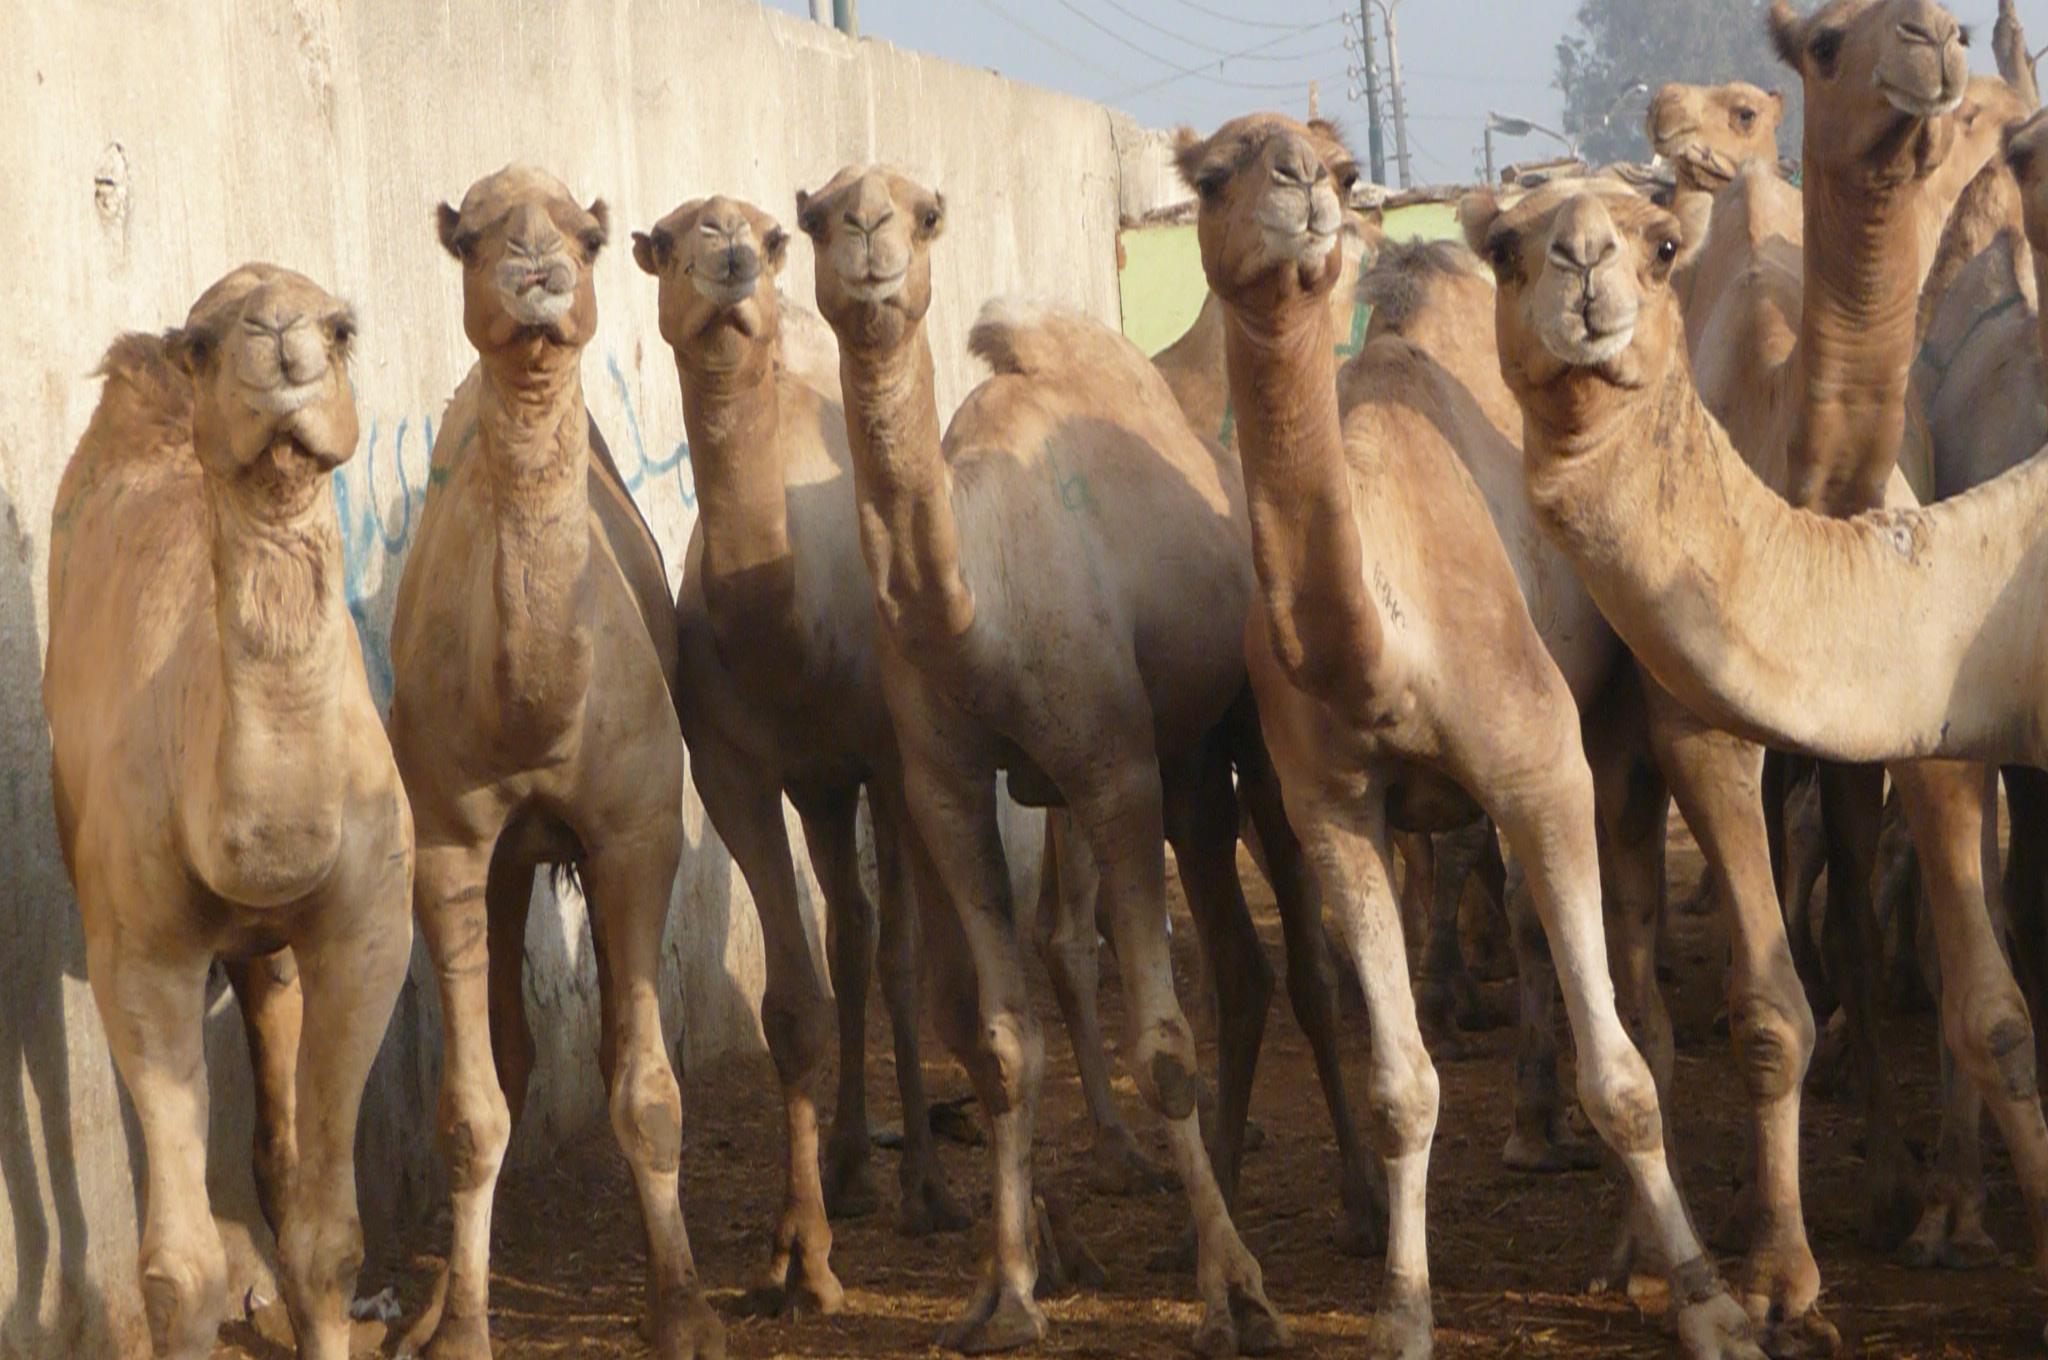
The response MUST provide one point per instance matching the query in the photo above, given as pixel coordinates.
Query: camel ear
(1788, 33)
(448, 226)
(651, 250)
(1477, 212)
(775, 248)
(1188, 150)
(810, 220)
(595, 237)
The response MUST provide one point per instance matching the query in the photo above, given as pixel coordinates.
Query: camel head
(1271, 205)
(1582, 270)
(1881, 79)
(267, 351)
(1708, 132)
(526, 250)
(717, 260)
(873, 229)
(2026, 153)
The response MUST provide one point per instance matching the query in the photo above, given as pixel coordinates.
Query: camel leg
(1417, 853)
(962, 886)
(267, 991)
(1312, 992)
(1449, 996)
(794, 1014)
(1067, 895)
(352, 961)
(1545, 809)
(474, 1118)
(2025, 885)
(851, 942)
(1984, 1016)
(1344, 834)
(926, 1203)
(627, 882)
(508, 898)
(1539, 1142)
(151, 1000)
(1852, 806)
(1121, 810)
(1716, 781)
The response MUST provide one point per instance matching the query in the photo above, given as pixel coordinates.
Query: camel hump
(148, 396)
(1015, 335)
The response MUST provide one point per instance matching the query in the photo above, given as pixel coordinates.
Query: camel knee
(647, 1113)
(1621, 1100)
(799, 1030)
(474, 1135)
(1404, 1098)
(1012, 1054)
(1163, 1061)
(321, 1259)
(184, 1294)
(1774, 1042)
(1992, 1036)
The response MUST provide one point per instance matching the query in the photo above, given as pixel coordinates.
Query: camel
(1390, 680)
(1898, 634)
(223, 787)
(534, 649)
(1708, 133)
(1104, 687)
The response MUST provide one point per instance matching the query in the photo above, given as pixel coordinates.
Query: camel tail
(1015, 335)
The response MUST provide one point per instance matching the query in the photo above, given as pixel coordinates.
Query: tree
(1617, 43)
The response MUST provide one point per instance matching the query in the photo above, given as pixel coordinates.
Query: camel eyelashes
(1824, 48)
(342, 330)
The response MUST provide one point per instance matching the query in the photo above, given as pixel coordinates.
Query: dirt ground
(1509, 1253)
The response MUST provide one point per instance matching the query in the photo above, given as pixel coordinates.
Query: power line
(992, 7)
(1183, 72)
(1248, 23)
(1218, 52)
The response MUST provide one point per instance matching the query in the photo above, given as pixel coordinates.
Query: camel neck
(1306, 549)
(264, 816)
(1856, 327)
(534, 433)
(2040, 260)
(907, 530)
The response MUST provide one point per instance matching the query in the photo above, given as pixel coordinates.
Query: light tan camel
(778, 693)
(223, 786)
(1773, 621)
(1100, 685)
(1367, 531)
(1708, 132)
(534, 650)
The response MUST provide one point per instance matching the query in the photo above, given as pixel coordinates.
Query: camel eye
(1500, 251)
(592, 241)
(1745, 117)
(1347, 179)
(931, 218)
(1825, 47)
(344, 330)
(1210, 182)
(1667, 250)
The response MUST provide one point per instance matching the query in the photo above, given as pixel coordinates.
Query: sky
(1161, 60)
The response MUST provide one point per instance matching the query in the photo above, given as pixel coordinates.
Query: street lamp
(1634, 89)
(1520, 127)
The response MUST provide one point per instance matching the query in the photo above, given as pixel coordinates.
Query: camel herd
(1611, 497)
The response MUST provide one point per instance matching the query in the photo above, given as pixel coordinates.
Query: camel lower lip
(1919, 105)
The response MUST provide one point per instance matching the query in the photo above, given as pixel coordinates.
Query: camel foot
(1936, 1245)
(691, 1331)
(953, 1121)
(1717, 1328)
(1808, 1336)
(803, 1288)
(1065, 1263)
(849, 1176)
(457, 1339)
(1779, 1297)
(1554, 1155)
(929, 1207)
(1404, 1327)
(1247, 1324)
(999, 1319)
(1620, 1267)
(1118, 1166)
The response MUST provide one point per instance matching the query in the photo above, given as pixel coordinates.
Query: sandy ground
(1508, 1252)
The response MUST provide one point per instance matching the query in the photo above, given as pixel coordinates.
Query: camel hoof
(1717, 1328)
(458, 1339)
(691, 1331)
(999, 1320)
(1403, 1329)
(1118, 1166)
(1260, 1328)
(1548, 1156)
(1808, 1336)
(1933, 1247)
(802, 1292)
(850, 1189)
(929, 1208)
(1065, 1263)
(952, 1120)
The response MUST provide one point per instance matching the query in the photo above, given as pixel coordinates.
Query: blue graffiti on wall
(376, 534)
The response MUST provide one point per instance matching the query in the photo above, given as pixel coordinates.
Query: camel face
(1881, 75)
(873, 228)
(712, 257)
(526, 250)
(2026, 152)
(1272, 194)
(1583, 270)
(267, 350)
(1710, 131)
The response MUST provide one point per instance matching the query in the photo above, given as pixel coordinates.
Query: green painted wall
(1161, 280)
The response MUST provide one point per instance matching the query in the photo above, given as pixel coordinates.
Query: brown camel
(1772, 621)
(778, 693)
(534, 650)
(1103, 687)
(1385, 596)
(223, 786)
(1708, 133)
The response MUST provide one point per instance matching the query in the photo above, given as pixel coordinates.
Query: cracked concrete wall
(153, 147)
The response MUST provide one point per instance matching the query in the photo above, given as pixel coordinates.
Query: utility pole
(1375, 145)
(1492, 178)
(1388, 7)
(846, 17)
(821, 11)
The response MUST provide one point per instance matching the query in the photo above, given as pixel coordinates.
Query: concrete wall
(152, 147)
